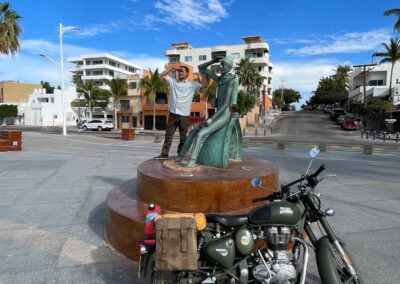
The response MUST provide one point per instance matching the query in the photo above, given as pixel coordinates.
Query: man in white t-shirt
(180, 102)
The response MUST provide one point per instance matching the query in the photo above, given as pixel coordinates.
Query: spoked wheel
(332, 268)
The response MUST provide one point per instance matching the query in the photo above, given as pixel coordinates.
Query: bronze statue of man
(227, 91)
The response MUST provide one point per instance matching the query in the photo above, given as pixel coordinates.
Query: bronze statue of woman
(227, 92)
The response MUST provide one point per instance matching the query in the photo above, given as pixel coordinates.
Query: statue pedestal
(179, 189)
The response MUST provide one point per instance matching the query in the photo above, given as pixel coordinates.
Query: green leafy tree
(245, 103)
(118, 88)
(289, 96)
(391, 55)
(46, 85)
(8, 110)
(9, 30)
(153, 84)
(395, 12)
(333, 89)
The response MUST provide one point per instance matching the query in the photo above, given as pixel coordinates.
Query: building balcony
(170, 52)
(257, 45)
(264, 60)
(97, 77)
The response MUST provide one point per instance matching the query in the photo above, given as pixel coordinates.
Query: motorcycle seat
(226, 220)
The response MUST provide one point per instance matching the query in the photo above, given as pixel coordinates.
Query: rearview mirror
(255, 182)
(314, 152)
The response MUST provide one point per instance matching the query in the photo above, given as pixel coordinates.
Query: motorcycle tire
(331, 267)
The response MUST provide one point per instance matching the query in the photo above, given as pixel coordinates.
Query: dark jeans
(174, 121)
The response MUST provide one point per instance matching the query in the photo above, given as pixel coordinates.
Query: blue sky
(307, 38)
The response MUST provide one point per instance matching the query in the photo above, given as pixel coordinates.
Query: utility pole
(365, 70)
(283, 79)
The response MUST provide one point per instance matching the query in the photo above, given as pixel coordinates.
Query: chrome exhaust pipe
(305, 260)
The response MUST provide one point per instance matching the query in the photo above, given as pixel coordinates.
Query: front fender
(325, 262)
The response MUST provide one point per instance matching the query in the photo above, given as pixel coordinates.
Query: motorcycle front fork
(333, 239)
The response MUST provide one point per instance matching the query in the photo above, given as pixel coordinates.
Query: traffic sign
(391, 120)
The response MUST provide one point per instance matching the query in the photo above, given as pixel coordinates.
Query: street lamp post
(62, 31)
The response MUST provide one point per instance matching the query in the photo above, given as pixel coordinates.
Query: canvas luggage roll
(176, 242)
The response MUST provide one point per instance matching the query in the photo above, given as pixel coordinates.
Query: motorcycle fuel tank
(222, 251)
(275, 213)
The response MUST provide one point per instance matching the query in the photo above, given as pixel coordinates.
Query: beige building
(16, 92)
(253, 47)
(129, 106)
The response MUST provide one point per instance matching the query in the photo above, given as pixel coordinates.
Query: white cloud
(192, 13)
(302, 76)
(351, 42)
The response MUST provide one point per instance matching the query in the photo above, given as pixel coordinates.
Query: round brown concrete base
(178, 189)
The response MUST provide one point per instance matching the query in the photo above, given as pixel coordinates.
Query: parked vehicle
(80, 123)
(269, 245)
(328, 109)
(349, 124)
(336, 112)
(98, 124)
(286, 107)
(342, 117)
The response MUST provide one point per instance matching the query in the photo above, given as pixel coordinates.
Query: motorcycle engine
(279, 269)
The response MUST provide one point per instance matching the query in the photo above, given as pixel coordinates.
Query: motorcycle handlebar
(321, 168)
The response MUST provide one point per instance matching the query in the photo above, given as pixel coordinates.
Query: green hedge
(8, 111)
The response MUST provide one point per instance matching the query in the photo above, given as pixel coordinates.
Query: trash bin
(128, 134)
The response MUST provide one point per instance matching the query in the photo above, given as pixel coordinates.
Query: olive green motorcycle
(269, 245)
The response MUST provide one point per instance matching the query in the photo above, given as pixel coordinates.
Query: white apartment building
(253, 47)
(377, 80)
(98, 67)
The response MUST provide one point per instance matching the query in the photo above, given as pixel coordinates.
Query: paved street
(52, 208)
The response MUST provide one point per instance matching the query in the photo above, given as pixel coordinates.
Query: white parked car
(98, 124)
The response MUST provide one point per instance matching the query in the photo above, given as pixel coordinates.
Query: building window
(112, 63)
(375, 83)
(188, 58)
(125, 118)
(202, 57)
(88, 73)
(43, 100)
(111, 73)
(96, 62)
(236, 55)
(397, 81)
(125, 105)
(52, 100)
(98, 83)
(260, 68)
(133, 85)
(97, 73)
(87, 62)
(197, 114)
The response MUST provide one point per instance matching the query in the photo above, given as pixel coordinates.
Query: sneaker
(161, 157)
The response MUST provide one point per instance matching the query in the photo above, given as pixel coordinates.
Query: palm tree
(9, 30)
(93, 95)
(153, 84)
(118, 88)
(392, 55)
(397, 13)
(210, 92)
(245, 72)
